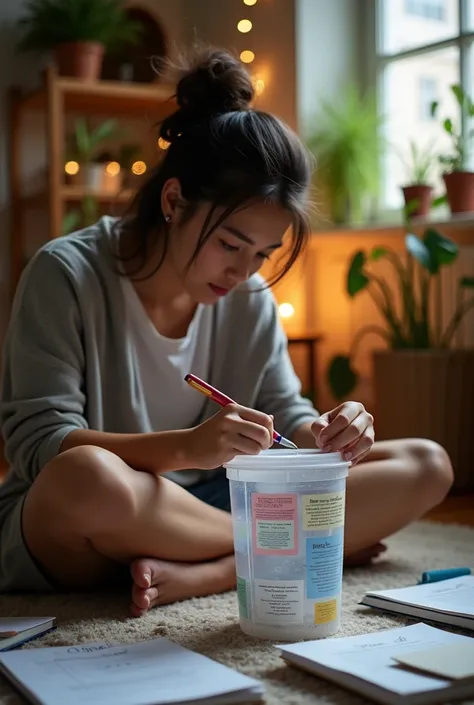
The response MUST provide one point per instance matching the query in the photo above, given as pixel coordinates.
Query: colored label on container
(274, 524)
(279, 601)
(325, 612)
(324, 566)
(323, 511)
(242, 597)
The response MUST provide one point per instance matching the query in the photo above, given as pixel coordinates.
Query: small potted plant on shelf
(346, 143)
(423, 383)
(78, 31)
(95, 168)
(418, 192)
(459, 181)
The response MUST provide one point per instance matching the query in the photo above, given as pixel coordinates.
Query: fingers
(360, 449)
(253, 415)
(242, 445)
(339, 419)
(250, 424)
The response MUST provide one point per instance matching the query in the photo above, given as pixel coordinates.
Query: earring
(168, 218)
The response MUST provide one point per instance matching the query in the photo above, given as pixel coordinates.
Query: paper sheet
(150, 672)
(454, 661)
(10, 626)
(370, 656)
(455, 595)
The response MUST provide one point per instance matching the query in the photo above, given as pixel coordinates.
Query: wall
(272, 39)
(328, 52)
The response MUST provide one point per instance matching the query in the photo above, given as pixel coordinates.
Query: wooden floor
(454, 510)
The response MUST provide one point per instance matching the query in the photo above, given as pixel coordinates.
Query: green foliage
(457, 159)
(87, 142)
(347, 145)
(87, 215)
(419, 165)
(48, 23)
(417, 322)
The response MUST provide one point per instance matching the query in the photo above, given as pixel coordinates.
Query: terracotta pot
(421, 193)
(460, 191)
(80, 59)
(429, 394)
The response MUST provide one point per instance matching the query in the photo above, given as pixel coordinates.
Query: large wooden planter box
(429, 394)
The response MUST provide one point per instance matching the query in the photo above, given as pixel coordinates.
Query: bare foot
(366, 555)
(158, 582)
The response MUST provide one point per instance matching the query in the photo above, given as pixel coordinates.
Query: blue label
(324, 556)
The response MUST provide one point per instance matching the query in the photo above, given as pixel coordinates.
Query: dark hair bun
(212, 82)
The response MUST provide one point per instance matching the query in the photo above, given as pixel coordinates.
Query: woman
(113, 457)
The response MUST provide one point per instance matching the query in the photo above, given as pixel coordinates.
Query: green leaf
(418, 251)
(434, 108)
(341, 377)
(466, 282)
(442, 250)
(458, 94)
(357, 280)
(448, 126)
(439, 201)
(377, 253)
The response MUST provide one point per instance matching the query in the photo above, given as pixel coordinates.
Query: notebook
(371, 664)
(17, 630)
(447, 602)
(151, 672)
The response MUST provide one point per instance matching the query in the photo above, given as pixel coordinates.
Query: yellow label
(325, 612)
(323, 511)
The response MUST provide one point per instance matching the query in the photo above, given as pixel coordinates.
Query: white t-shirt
(163, 363)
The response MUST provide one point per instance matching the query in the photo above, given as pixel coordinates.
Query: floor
(454, 510)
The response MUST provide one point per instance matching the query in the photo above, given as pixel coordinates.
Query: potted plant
(418, 193)
(459, 181)
(346, 143)
(87, 149)
(78, 31)
(424, 385)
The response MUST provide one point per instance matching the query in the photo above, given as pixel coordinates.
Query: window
(428, 9)
(428, 93)
(418, 60)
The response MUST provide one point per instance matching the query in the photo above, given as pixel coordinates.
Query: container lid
(282, 459)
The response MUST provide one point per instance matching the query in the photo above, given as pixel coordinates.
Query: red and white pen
(223, 400)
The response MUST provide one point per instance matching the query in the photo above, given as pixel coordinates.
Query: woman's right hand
(234, 430)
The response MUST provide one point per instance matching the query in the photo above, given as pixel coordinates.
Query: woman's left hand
(348, 429)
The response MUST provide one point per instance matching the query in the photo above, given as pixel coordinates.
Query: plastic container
(288, 509)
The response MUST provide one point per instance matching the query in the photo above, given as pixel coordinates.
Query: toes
(144, 599)
(141, 573)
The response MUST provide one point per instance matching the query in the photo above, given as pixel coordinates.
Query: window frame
(464, 41)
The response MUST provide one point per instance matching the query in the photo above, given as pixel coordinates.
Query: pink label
(274, 524)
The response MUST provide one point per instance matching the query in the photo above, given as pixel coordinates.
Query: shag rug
(210, 625)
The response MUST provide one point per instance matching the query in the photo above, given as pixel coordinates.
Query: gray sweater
(69, 362)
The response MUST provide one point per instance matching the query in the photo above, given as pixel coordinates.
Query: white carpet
(210, 625)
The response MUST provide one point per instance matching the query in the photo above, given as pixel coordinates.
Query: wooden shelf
(106, 97)
(78, 193)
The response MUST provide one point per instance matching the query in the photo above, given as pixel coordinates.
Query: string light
(138, 168)
(113, 168)
(163, 144)
(250, 2)
(244, 26)
(71, 168)
(259, 86)
(287, 310)
(247, 56)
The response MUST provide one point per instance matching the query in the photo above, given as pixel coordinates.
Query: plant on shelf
(346, 142)
(80, 218)
(459, 181)
(87, 148)
(78, 31)
(418, 192)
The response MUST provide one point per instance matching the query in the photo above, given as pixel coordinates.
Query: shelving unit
(58, 97)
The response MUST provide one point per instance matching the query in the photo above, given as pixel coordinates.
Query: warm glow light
(138, 168)
(71, 168)
(286, 310)
(259, 86)
(163, 144)
(247, 56)
(113, 168)
(244, 26)
(250, 2)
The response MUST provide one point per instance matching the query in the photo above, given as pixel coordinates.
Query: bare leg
(103, 513)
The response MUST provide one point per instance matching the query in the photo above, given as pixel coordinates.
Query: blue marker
(434, 576)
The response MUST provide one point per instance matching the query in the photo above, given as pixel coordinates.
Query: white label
(279, 601)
